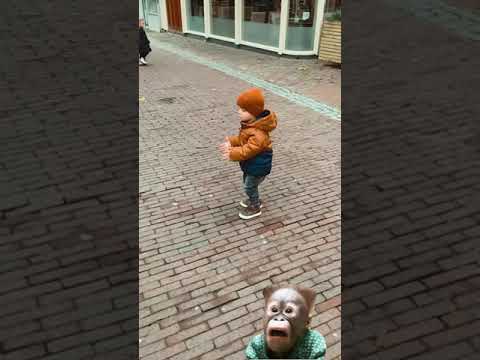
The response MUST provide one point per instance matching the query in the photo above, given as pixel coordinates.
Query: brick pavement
(465, 4)
(68, 182)
(308, 76)
(202, 269)
(410, 175)
(459, 17)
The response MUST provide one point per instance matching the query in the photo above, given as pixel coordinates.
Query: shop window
(301, 25)
(333, 5)
(333, 9)
(195, 18)
(223, 18)
(153, 7)
(261, 21)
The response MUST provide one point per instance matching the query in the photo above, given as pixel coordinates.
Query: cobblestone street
(202, 269)
(307, 76)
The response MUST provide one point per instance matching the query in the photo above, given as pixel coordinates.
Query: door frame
(163, 13)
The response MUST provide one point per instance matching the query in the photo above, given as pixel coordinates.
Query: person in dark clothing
(144, 43)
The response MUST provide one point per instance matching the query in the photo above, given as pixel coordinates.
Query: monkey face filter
(286, 317)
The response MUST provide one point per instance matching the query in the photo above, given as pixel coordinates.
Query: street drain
(170, 100)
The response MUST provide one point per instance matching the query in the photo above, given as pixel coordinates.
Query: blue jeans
(250, 184)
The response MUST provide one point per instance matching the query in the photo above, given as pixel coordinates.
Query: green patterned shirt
(311, 346)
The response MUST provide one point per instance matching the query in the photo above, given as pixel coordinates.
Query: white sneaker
(143, 61)
(250, 213)
(139, 62)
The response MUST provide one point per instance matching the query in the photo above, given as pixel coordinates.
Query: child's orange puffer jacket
(253, 147)
(253, 139)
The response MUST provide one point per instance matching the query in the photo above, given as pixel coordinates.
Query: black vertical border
(410, 166)
(69, 180)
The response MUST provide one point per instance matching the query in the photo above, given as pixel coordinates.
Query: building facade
(290, 27)
(154, 13)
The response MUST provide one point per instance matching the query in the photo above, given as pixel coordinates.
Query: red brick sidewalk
(202, 268)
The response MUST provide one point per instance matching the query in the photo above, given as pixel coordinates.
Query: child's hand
(225, 143)
(225, 149)
(226, 155)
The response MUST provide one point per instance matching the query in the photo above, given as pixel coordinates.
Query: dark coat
(260, 165)
(144, 43)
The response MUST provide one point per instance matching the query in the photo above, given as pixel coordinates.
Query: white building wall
(163, 14)
(141, 15)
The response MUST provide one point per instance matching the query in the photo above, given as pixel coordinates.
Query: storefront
(152, 12)
(283, 26)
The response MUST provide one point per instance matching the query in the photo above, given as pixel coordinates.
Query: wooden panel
(174, 15)
(331, 42)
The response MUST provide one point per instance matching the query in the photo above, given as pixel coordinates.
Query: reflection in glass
(195, 18)
(301, 29)
(261, 21)
(223, 18)
(153, 7)
(332, 6)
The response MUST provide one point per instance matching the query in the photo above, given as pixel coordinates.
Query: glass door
(153, 17)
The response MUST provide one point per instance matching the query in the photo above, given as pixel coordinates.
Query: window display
(223, 18)
(301, 25)
(261, 21)
(195, 17)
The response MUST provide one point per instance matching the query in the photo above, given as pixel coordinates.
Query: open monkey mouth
(279, 333)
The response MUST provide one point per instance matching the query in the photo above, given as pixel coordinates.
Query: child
(144, 45)
(252, 148)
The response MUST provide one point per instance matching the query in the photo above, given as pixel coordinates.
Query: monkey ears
(268, 291)
(309, 296)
